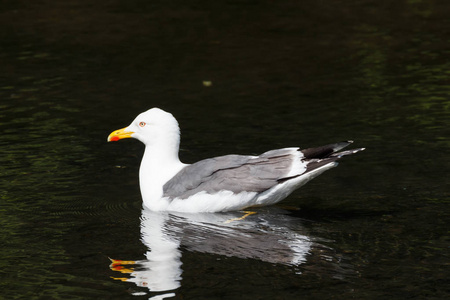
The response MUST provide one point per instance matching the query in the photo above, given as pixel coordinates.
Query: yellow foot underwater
(247, 213)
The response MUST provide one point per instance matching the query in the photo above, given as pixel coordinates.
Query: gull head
(152, 127)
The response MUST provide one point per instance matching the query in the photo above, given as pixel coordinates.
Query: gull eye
(142, 124)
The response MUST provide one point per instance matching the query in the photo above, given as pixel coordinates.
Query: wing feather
(236, 173)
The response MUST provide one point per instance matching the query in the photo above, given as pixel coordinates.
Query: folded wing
(240, 173)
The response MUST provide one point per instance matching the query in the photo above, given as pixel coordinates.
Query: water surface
(280, 74)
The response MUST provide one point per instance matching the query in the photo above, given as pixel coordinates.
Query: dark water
(289, 73)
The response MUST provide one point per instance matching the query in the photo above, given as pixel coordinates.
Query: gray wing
(236, 173)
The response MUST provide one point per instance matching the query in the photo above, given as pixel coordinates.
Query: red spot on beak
(115, 139)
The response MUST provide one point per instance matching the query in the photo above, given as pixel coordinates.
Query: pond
(241, 77)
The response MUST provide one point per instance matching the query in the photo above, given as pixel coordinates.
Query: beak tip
(119, 134)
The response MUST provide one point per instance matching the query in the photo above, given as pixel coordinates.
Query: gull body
(224, 183)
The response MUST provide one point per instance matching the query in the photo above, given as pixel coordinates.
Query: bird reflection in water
(265, 236)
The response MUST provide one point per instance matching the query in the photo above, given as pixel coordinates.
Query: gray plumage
(239, 173)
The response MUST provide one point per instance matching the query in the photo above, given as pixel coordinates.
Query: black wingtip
(324, 151)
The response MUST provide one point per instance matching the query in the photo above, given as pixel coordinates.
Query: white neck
(159, 164)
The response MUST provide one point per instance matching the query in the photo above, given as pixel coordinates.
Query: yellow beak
(119, 134)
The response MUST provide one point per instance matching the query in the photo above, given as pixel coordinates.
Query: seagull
(224, 183)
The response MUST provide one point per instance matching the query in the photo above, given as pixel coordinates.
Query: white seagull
(224, 183)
